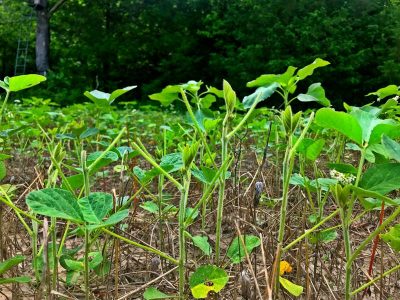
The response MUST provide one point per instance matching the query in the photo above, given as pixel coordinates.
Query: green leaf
(72, 277)
(95, 259)
(150, 206)
(294, 289)
(393, 237)
(11, 262)
(229, 96)
(372, 203)
(392, 148)
(167, 95)
(309, 70)
(88, 132)
(315, 93)
(115, 94)
(22, 279)
(55, 203)
(260, 95)
(382, 178)
(3, 170)
(109, 158)
(112, 220)
(390, 90)
(74, 265)
(207, 101)
(152, 293)
(202, 243)
(343, 168)
(95, 207)
(21, 82)
(236, 252)
(207, 278)
(340, 121)
(99, 98)
(325, 236)
(314, 150)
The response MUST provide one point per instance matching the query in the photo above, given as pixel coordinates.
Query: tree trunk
(42, 39)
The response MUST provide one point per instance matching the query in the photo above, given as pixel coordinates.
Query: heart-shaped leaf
(95, 207)
(55, 203)
(260, 95)
(207, 278)
(382, 178)
(236, 252)
(21, 82)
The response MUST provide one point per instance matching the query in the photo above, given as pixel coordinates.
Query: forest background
(101, 44)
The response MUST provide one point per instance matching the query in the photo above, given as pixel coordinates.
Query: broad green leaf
(74, 265)
(150, 206)
(388, 127)
(4, 156)
(315, 93)
(236, 253)
(207, 278)
(152, 293)
(115, 94)
(22, 279)
(372, 203)
(95, 207)
(263, 80)
(206, 175)
(390, 90)
(112, 220)
(343, 168)
(21, 82)
(72, 277)
(3, 170)
(11, 262)
(393, 237)
(259, 95)
(217, 92)
(207, 101)
(294, 289)
(325, 236)
(340, 121)
(75, 181)
(309, 70)
(55, 203)
(109, 158)
(314, 150)
(95, 259)
(382, 178)
(392, 148)
(201, 115)
(168, 95)
(202, 243)
(99, 98)
(88, 132)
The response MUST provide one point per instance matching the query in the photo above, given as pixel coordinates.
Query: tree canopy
(107, 44)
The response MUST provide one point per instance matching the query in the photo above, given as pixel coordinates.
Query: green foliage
(393, 237)
(236, 252)
(7, 265)
(207, 278)
(152, 293)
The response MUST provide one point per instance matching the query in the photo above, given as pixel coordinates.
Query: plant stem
(146, 248)
(85, 171)
(182, 227)
(221, 194)
(3, 106)
(364, 286)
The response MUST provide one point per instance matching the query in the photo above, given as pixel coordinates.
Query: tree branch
(56, 7)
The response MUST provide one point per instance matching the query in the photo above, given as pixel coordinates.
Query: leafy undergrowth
(223, 200)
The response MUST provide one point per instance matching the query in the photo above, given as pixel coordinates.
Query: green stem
(146, 248)
(156, 165)
(3, 106)
(364, 286)
(221, 194)
(182, 227)
(85, 171)
(309, 231)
